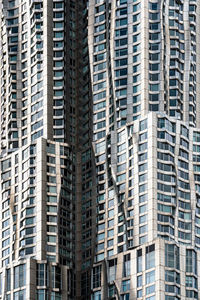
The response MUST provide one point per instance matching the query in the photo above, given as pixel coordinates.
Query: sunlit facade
(38, 143)
(144, 60)
(99, 149)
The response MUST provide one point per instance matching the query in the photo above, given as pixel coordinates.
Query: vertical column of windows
(3, 83)
(86, 162)
(191, 282)
(28, 213)
(86, 208)
(166, 176)
(101, 235)
(196, 169)
(8, 282)
(185, 213)
(66, 212)
(191, 279)
(121, 60)
(5, 223)
(192, 75)
(65, 220)
(126, 283)
(130, 195)
(150, 272)
(100, 70)
(12, 20)
(20, 281)
(139, 274)
(48, 276)
(172, 273)
(74, 79)
(110, 211)
(154, 55)
(136, 59)
(121, 180)
(24, 75)
(52, 221)
(142, 179)
(58, 68)
(99, 120)
(100, 213)
(146, 273)
(96, 278)
(177, 57)
(36, 52)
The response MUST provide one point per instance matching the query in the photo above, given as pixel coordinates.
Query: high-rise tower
(99, 149)
(44, 104)
(144, 63)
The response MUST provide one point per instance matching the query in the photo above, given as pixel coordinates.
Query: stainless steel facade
(100, 146)
(144, 60)
(39, 111)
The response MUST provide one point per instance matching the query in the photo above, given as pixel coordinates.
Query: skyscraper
(144, 58)
(42, 100)
(100, 149)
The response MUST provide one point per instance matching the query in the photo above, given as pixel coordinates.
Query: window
(19, 276)
(110, 243)
(150, 257)
(139, 281)
(41, 274)
(112, 264)
(111, 291)
(41, 294)
(100, 147)
(191, 261)
(127, 265)
(136, 7)
(143, 229)
(121, 32)
(172, 276)
(150, 277)
(143, 208)
(191, 294)
(20, 295)
(139, 293)
(150, 289)
(125, 285)
(122, 11)
(125, 297)
(96, 277)
(143, 124)
(171, 256)
(121, 22)
(96, 296)
(191, 281)
(139, 260)
(110, 233)
(143, 219)
(123, 2)
(121, 62)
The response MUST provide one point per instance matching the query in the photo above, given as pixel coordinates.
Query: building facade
(144, 60)
(37, 227)
(99, 149)
(150, 215)
(45, 115)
